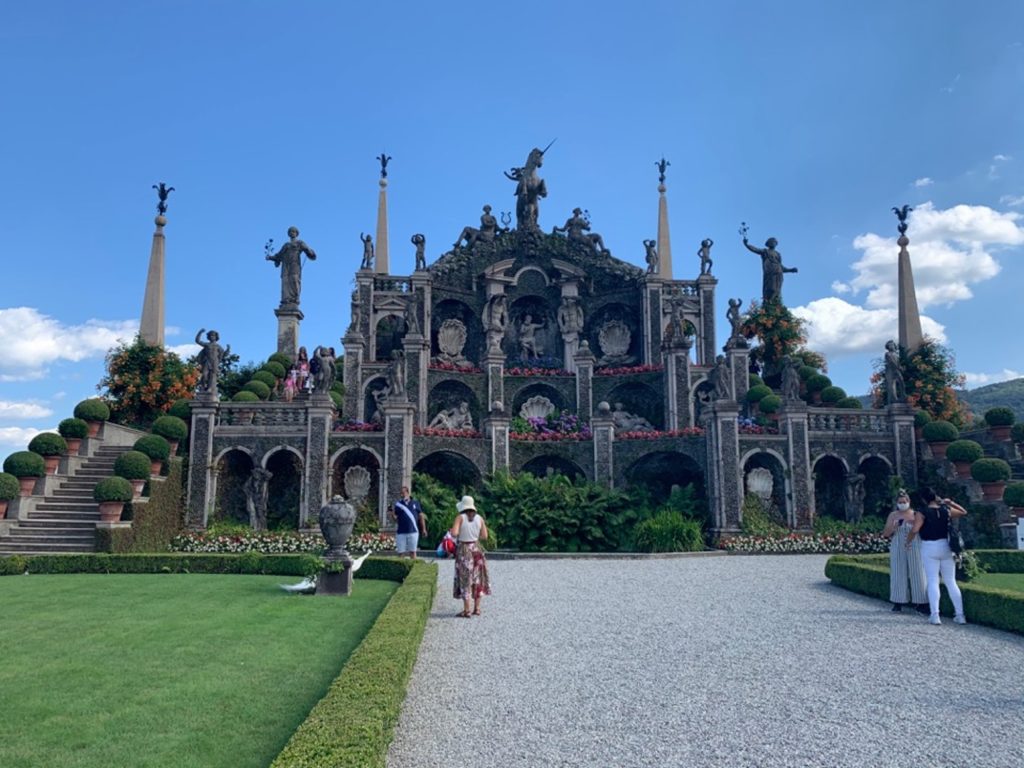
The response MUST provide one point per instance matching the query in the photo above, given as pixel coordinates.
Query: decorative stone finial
(162, 191)
(662, 165)
(383, 158)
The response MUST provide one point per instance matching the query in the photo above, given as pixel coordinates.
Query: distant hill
(1008, 393)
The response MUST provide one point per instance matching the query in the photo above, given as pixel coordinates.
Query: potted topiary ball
(275, 369)
(832, 395)
(244, 413)
(51, 447)
(963, 453)
(112, 493)
(920, 419)
(755, 394)
(156, 448)
(172, 429)
(258, 388)
(1000, 420)
(992, 475)
(281, 359)
(853, 403)
(74, 431)
(770, 405)
(1013, 497)
(10, 489)
(95, 412)
(939, 434)
(181, 409)
(1017, 435)
(134, 466)
(28, 467)
(815, 385)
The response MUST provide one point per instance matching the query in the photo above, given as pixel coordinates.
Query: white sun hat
(466, 503)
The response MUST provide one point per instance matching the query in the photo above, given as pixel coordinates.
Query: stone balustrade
(276, 414)
(847, 420)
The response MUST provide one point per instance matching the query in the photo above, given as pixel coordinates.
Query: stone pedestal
(726, 482)
(652, 287)
(496, 429)
(288, 319)
(335, 583)
(584, 363)
(706, 333)
(355, 348)
(417, 362)
(317, 475)
(603, 427)
(494, 365)
(739, 368)
(201, 469)
(793, 423)
(676, 361)
(398, 422)
(901, 416)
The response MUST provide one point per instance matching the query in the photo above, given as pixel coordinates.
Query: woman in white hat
(471, 580)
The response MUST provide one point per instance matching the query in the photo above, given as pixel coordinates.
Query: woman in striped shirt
(905, 566)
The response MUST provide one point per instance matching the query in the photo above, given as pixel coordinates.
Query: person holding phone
(906, 571)
(931, 524)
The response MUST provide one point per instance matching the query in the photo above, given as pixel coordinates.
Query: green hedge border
(999, 608)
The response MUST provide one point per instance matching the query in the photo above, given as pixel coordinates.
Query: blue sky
(807, 120)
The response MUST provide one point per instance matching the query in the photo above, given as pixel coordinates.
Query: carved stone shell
(614, 338)
(537, 406)
(357, 482)
(451, 337)
(760, 482)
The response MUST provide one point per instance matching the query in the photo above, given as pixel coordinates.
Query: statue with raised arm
(651, 256)
(486, 234)
(705, 256)
(495, 319)
(257, 492)
(209, 359)
(420, 241)
(735, 319)
(771, 269)
(529, 347)
(367, 251)
(577, 230)
(895, 386)
(289, 259)
(529, 189)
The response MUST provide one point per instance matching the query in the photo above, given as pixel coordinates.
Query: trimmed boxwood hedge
(940, 432)
(133, 465)
(181, 409)
(853, 403)
(93, 409)
(806, 371)
(177, 562)
(921, 418)
(753, 380)
(337, 399)
(48, 444)
(1000, 416)
(1013, 495)
(964, 450)
(25, 464)
(76, 429)
(758, 392)
(281, 359)
(770, 404)
(275, 369)
(155, 447)
(818, 382)
(10, 488)
(266, 377)
(832, 394)
(244, 396)
(170, 428)
(258, 388)
(1000, 608)
(990, 471)
(113, 489)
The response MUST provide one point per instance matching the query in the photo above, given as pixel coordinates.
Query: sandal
(464, 615)
(476, 612)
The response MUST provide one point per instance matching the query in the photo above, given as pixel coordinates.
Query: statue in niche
(895, 386)
(380, 397)
(577, 230)
(451, 340)
(679, 326)
(529, 189)
(651, 257)
(772, 269)
(614, 339)
(736, 339)
(453, 418)
(411, 316)
(855, 494)
(209, 359)
(721, 379)
(790, 379)
(420, 241)
(705, 256)
(495, 319)
(289, 259)
(323, 370)
(629, 422)
(529, 346)
(396, 376)
(486, 234)
(257, 492)
(570, 318)
(367, 251)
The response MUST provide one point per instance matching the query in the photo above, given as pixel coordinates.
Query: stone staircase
(64, 518)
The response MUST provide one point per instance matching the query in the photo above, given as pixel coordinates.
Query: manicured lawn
(166, 670)
(1014, 581)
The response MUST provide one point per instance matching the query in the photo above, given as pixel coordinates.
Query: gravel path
(724, 661)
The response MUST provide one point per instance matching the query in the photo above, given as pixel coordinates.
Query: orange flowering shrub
(931, 379)
(143, 381)
(780, 333)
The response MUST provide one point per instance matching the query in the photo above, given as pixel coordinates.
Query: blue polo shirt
(408, 523)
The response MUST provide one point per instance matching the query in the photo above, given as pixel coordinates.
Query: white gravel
(726, 661)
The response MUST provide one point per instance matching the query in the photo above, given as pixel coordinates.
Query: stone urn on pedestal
(336, 520)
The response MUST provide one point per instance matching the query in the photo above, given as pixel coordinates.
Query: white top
(469, 530)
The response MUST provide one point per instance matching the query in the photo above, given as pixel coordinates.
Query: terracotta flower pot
(137, 486)
(174, 447)
(1016, 512)
(939, 449)
(3, 508)
(110, 511)
(993, 491)
(155, 467)
(963, 468)
(94, 428)
(74, 445)
(28, 485)
(52, 463)
(1000, 433)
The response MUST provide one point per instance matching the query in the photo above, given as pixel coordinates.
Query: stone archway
(547, 339)
(373, 386)
(877, 495)
(830, 487)
(542, 466)
(388, 337)
(779, 508)
(285, 489)
(233, 468)
(345, 460)
(660, 470)
(451, 469)
(641, 400)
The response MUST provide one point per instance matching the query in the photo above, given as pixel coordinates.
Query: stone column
(494, 364)
(654, 322)
(398, 418)
(584, 360)
(417, 360)
(603, 428)
(739, 367)
(496, 429)
(901, 416)
(793, 423)
(355, 348)
(288, 320)
(320, 412)
(151, 329)
(200, 462)
(676, 361)
(706, 345)
(723, 439)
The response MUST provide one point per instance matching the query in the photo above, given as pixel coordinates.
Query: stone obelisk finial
(910, 333)
(152, 326)
(664, 241)
(383, 267)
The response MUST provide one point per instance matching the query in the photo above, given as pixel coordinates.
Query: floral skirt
(471, 579)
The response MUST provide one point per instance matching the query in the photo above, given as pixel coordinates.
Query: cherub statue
(209, 359)
(420, 241)
(651, 256)
(705, 256)
(367, 251)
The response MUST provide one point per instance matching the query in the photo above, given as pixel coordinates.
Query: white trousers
(938, 559)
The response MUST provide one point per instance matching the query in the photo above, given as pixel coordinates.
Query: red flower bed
(437, 432)
(638, 435)
(439, 366)
(358, 426)
(532, 371)
(549, 437)
(628, 369)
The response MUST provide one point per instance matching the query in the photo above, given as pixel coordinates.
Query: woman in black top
(932, 526)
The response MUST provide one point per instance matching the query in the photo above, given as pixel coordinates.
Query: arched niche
(451, 469)
(623, 314)
(542, 466)
(541, 389)
(877, 495)
(233, 468)
(830, 487)
(453, 309)
(285, 489)
(547, 339)
(658, 471)
(779, 508)
(448, 394)
(641, 400)
(343, 461)
(373, 386)
(388, 336)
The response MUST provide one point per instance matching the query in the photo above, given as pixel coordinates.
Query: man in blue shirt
(411, 522)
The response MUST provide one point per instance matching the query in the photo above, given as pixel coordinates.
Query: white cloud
(23, 410)
(31, 341)
(1014, 201)
(185, 351)
(924, 181)
(837, 327)
(17, 438)
(981, 379)
(840, 287)
(1002, 158)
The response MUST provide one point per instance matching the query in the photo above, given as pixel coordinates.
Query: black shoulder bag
(956, 541)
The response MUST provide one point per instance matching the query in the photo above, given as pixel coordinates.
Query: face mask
(903, 506)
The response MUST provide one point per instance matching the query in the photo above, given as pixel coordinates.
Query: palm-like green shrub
(964, 450)
(266, 377)
(93, 409)
(669, 531)
(133, 465)
(9, 486)
(818, 382)
(181, 409)
(276, 369)
(921, 418)
(48, 444)
(245, 396)
(170, 428)
(850, 402)
(770, 404)
(25, 464)
(1000, 416)
(990, 470)
(258, 388)
(112, 489)
(1013, 496)
(832, 394)
(76, 429)
(758, 392)
(154, 446)
(940, 432)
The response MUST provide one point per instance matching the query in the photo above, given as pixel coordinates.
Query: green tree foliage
(234, 377)
(142, 381)
(931, 380)
(1007, 393)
